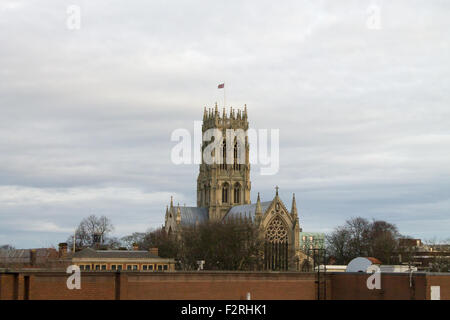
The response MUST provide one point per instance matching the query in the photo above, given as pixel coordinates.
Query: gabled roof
(246, 210)
(190, 215)
(24, 255)
(114, 254)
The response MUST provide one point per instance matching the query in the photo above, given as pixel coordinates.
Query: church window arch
(276, 231)
(237, 193)
(225, 188)
(224, 154)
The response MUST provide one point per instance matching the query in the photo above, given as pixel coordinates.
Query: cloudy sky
(359, 91)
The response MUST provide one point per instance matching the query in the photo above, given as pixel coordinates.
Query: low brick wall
(394, 286)
(43, 285)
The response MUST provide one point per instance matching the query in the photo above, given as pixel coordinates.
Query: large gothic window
(236, 164)
(224, 155)
(225, 193)
(276, 231)
(237, 193)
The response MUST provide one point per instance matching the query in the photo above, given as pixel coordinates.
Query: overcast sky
(363, 108)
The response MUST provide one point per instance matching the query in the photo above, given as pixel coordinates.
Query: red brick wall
(225, 286)
(352, 286)
(214, 285)
(6, 286)
(93, 286)
(441, 280)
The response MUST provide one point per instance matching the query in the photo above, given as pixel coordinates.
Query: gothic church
(223, 192)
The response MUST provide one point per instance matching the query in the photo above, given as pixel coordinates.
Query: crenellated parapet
(235, 119)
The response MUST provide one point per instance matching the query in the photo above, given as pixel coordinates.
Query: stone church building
(223, 192)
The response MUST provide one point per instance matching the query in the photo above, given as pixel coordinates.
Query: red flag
(221, 86)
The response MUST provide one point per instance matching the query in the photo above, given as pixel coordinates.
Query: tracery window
(276, 231)
(225, 193)
(224, 155)
(237, 193)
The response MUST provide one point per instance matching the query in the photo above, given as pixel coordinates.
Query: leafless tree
(134, 238)
(440, 251)
(360, 237)
(223, 246)
(91, 230)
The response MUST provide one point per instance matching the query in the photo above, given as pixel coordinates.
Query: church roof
(190, 215)
(246, 210)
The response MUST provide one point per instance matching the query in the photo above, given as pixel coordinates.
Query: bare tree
(360, 237)
(337, 244)
(440, 252)
(223, 246)
(168, 247)
(134, 238)
(92, 230)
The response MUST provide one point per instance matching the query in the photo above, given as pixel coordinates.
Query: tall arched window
(224, 155)
(237, 193)
(225, 193)
(236, 164)
(276, 231)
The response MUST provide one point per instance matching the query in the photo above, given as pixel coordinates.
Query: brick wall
(394, 286)
(439, 279)
(282, 286)
(40, 284)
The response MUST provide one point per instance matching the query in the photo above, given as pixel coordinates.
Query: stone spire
(258, 210)
(178, 214)
(294, 207)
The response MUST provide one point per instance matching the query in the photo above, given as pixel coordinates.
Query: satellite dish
(361, 264)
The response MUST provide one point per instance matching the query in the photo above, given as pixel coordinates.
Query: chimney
(135, 247)
(153, 251)
(62, 250)
(97, 240)
(33, 257)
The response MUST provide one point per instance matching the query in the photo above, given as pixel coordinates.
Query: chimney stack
(62, 249)
(153, 251)
(97, 240)
(33, 257)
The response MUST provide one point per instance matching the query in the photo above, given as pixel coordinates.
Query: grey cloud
(363, 114)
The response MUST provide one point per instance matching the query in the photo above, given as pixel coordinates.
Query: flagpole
(224, 100)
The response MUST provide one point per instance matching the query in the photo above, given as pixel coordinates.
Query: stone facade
(223, 193)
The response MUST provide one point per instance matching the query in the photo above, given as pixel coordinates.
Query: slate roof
(189, 215)
(114, 254)
(246, 210)
(24, 255)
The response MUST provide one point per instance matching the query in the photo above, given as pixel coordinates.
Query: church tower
(225, 182)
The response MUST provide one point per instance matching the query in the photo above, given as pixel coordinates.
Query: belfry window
(224, 155)
(236, 164)
(225, 193)
(237, 194)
